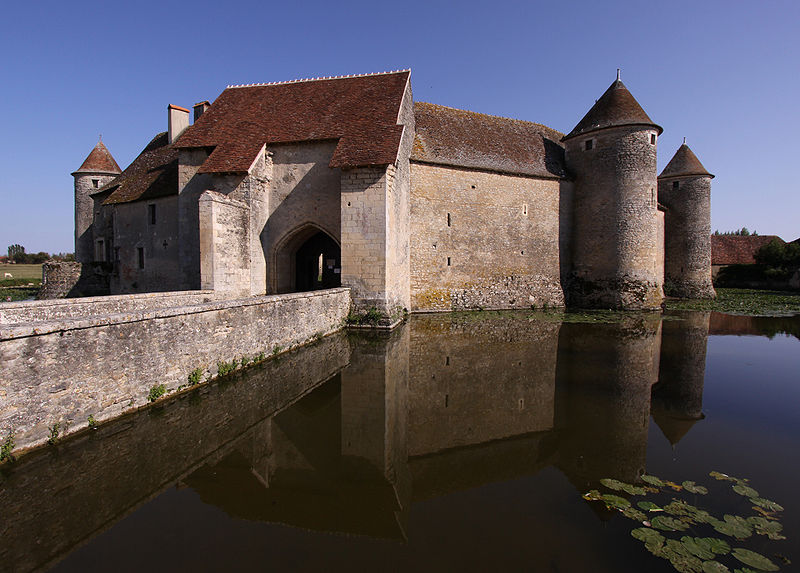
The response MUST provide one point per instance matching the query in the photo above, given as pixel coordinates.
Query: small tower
(98, 169)
(684, 188)
(611, 154)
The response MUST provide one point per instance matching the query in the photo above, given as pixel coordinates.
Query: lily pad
(652, 480)
(733, 526)
(696, 549)
(648, 506)
(763, 526)
(754, 559)
(721, 476)
(673, 485)
(766, 504)
(718, 546)
(616, 485)
(633, 513)
(615, 501)
(680, 557)
(647, 535)
(667, 523)
(745, 490)
(692, 487)
(714, 567)
(592, 495)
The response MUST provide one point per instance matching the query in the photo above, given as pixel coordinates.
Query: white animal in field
(8, 276)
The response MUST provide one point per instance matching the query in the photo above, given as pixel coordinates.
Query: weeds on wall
(196, 376)
(55, 434)
(156, 392)
(371, 317)
(92, 423)
(7, 447)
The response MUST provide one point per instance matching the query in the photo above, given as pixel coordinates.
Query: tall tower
(684, 188)
(611, 154)
(98, 169)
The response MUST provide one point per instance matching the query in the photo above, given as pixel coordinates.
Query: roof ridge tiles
(321, 78)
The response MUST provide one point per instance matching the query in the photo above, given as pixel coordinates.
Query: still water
(455, 443)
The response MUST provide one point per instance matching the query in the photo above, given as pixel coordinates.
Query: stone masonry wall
(616, 240)
(687, 266)
(484, 240)
(58, 279)
(224, 244)
(62, 371)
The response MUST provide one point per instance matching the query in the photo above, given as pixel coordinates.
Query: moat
(454, 443)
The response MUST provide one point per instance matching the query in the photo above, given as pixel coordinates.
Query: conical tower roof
(616, 107)
(683, 163)
(99, 160)
(674, 429)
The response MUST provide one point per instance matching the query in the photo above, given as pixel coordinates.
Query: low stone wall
(62, 371)
(61, 279)
(58, 309)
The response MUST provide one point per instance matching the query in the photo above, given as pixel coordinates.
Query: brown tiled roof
(154, 173)
(361, 112)
(99, 160)
(684, 162)
(737, 249)
(448, 136)
(615, 107)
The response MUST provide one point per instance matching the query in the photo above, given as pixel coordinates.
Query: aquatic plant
(156, 392)
(683, 533)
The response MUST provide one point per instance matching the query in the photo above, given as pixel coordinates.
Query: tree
(15, 251)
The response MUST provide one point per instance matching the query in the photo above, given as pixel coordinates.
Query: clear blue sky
(723, 74)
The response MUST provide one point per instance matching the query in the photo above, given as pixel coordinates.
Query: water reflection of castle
(367, 425)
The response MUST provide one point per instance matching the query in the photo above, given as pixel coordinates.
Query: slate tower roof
(683, 163)
(99, 160)
(615, 108)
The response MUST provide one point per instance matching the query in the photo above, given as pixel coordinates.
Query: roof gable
(449, 136)
(99, 160)
(361, 112)
(616, 107)
(684, 162)
(738, 249)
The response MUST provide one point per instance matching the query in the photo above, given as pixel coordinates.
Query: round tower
(98, 169)
(684, 188)
(611, 154)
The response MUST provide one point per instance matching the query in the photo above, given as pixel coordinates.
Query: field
(23, 284)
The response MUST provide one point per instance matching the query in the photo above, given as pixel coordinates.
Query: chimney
(199, 109)
(177, 121)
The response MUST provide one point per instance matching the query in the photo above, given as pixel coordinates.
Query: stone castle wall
(615, 220)
(486, 240)
(687, 241)
(62, 371)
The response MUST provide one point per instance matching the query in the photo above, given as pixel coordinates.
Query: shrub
(224, 368)
(195, 376)
(7, 447)
(156, 392)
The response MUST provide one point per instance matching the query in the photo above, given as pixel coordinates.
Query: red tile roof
(154, 173)
(616, 107)
(737, 249)
(684, 162)
(449, 136)
(99, 160)
(361, 112)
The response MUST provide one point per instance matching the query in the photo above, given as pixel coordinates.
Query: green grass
(28, 272)
(744, 301)
(23, 285)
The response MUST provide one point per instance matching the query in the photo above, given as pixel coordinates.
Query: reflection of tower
(684, 187)
(616, 244)
(678, 396)
(98, 168)
(608, 371)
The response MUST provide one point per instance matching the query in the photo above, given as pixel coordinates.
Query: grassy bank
(23, 283)
(744, 301)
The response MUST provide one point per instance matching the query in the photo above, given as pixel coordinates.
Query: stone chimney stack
(199, 109)
(177, 121)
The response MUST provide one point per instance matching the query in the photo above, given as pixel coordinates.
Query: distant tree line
(779, 258)
(743, 232)
(17, 254)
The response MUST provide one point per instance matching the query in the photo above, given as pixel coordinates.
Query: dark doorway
(318, 264)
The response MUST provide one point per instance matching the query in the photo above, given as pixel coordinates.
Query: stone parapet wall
(58, 279)
(60, 309)
(62, 371)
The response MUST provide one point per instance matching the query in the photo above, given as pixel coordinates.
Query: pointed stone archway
(307, 259)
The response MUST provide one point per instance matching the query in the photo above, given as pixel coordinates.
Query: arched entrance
(307, 258)
(318, 264)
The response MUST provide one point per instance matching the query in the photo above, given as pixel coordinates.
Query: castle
(312, 184)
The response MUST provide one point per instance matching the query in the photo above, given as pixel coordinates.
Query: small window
(448, 219)
(151, 214)
(95, 183)
(525, 209)
(589, 144)
(652, 139)
(676, 184)
(100, 251)
(140, 254)
(448, 261)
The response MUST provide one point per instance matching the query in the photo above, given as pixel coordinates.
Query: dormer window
(676, 184)
(652, 139)
(95, 183)
(588, 144)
